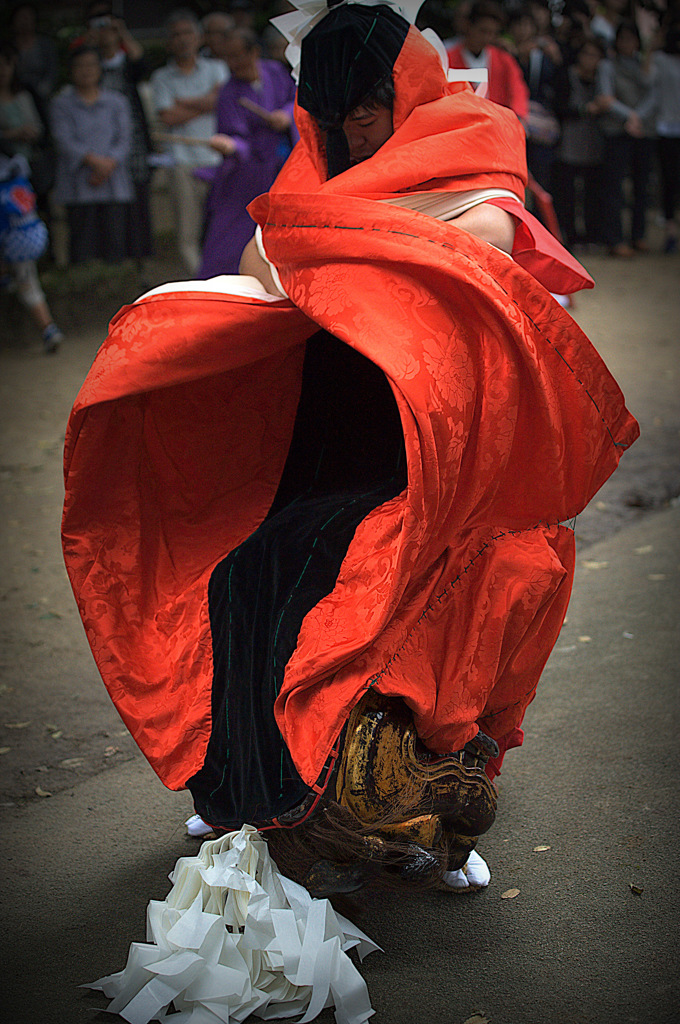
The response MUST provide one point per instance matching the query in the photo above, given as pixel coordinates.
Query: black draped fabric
(343, 61)
(346, 458)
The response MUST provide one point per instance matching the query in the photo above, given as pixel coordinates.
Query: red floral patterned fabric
(452, 594)
(446, 139)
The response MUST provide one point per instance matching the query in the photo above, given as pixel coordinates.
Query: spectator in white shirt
(185, 92)
(216, 28)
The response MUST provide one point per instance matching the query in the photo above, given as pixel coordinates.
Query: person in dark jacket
(123, 68)
(623, 84)
(581, 149)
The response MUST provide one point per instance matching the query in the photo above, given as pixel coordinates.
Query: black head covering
(343, 60)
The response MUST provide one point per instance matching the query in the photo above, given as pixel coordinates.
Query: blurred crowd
(89, 126)
(597, 87)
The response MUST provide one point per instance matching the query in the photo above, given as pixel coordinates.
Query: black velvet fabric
(343, 60)
(346, 458)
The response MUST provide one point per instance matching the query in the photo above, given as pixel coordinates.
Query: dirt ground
(57, 725)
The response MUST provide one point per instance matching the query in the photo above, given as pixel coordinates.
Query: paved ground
(596, 780)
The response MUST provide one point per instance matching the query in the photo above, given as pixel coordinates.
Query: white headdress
(295, 26)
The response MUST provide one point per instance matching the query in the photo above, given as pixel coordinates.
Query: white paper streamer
(295, 25)
(235, 937)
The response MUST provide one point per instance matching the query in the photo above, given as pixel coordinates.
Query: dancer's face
(366, 130)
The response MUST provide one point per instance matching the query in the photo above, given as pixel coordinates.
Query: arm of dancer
(489, 223)
(254, 264)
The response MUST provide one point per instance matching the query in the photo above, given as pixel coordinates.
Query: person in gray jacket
(91, 130)
(623, 84)
(580, 151)
(663, 104)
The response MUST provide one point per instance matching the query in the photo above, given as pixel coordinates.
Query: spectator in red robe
(478, 50)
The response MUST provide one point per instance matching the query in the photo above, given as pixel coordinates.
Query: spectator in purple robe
(254, 125)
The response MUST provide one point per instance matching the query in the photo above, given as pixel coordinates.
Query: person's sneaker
(670, 245)
(51, 338)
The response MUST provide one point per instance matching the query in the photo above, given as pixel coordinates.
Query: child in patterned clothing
(23, 239)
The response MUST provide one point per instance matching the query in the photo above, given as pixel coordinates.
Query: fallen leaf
(596, 565)
(509, 894)
(16, 725)
(657, 576)
(57, 735)
(4, 688)
(601, 506)
(39, 791)
(540, 849)
(584, 639)
(5, 750)
(637, 889)
(644, 550)
(72, 762)
(110, 751)
(477, 1018)
(51, 727)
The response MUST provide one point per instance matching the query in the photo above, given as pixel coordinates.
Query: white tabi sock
(196, 826)
(475, 874)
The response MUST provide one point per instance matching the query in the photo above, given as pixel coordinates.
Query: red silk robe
(452, 594)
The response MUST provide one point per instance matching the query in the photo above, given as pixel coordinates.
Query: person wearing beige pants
(184, 93)
(189, 194)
